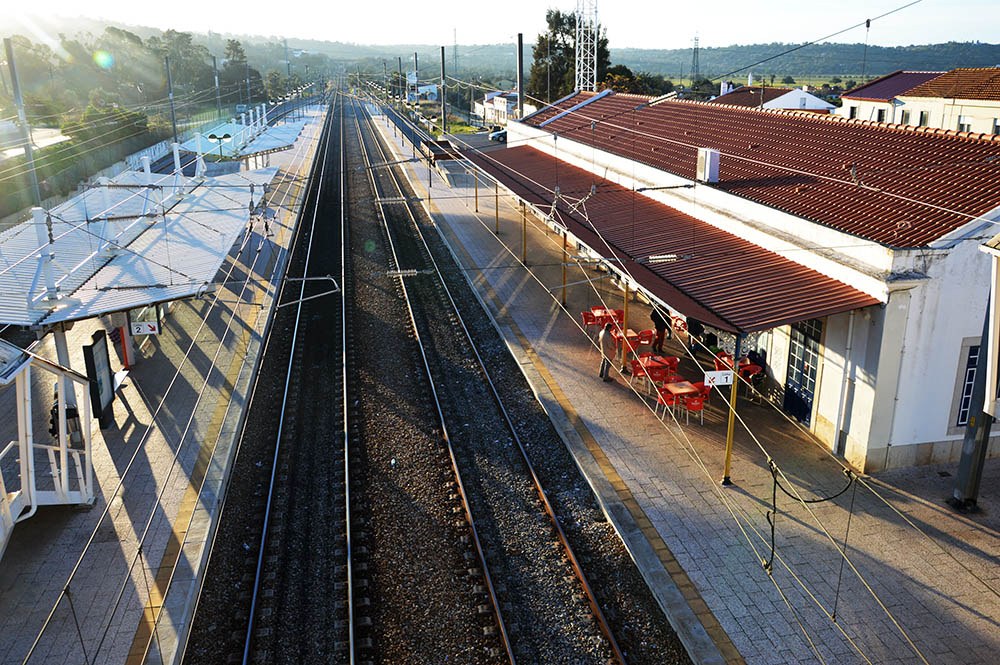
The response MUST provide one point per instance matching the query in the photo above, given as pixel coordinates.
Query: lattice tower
(586, 45)
(695, 70)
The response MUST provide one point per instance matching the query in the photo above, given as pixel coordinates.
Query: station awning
(717, 278)
(124, 244)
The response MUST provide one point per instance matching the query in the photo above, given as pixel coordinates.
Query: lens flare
(103, 59)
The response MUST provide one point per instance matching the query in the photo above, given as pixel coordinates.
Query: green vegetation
(109, 95)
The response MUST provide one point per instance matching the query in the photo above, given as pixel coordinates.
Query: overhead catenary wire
(691, 451)
(140, 447)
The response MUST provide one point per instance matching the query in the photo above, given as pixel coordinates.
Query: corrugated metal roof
(727, 282)
(158, 257)
(963, 83)
(802, 163)
(890, 86)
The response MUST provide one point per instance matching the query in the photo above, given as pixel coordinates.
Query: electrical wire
(689, 449)
(140, 446)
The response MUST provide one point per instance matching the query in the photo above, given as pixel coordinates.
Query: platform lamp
(219, 139)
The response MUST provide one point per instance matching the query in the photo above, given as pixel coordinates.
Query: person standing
(607, 344)
(662, 327)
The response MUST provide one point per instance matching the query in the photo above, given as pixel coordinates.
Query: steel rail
(284, 397)
(505, 637)
(595, 606)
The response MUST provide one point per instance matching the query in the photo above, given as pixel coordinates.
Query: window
(925, 118)
(880, 116)
(967, 379)
(964, 123)
(904, 117)
(996, 125)
(852, 111)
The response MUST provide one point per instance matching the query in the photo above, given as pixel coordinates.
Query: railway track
(499, 503)
(384, 507)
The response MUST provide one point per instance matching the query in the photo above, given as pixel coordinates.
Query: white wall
(868, 110)
(944, 113)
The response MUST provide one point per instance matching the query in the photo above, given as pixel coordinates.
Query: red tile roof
(890, 86)
(750, 96)
(910, 185)
(977, 83)
(727, 282)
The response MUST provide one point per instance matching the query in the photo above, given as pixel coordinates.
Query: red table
(681, 388)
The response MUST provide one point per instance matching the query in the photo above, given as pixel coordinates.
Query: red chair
(674, 378)
(646, 337)
(694, 404)
(646, 354)
(672, 362)
(638, 372)
(664, 398)
(589, 320)
(703, 390)
(619, 316)
(747, 373)
(656, 375)
(723, 361)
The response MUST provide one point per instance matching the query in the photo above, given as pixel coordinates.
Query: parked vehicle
(499, 137)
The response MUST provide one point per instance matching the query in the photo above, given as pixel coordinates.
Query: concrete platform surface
(175, 427)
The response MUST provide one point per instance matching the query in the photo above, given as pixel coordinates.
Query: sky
(646, 24)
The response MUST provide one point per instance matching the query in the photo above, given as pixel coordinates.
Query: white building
(878, 363)
(965, 100)
(877, 100)
(498, 107)
(790, 99)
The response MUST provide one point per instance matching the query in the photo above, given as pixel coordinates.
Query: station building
(845, 253)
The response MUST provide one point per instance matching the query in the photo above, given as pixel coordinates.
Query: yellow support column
(732, 416)
(625, 344)
(524, 235)
(564, 261)
(475, 174)
(496, 207)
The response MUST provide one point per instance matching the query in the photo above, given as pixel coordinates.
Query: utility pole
(218, 97)
(520, 76)
(977, 431)
(170, 95)
(416, 79)
(29, 156)
(385, 83)
(287, 61)
(247, 66)
(400, 83)
(444, 99)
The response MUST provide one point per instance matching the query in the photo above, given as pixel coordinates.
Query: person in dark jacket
(662, 327)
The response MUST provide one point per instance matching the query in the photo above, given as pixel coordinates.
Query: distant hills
(498, 60)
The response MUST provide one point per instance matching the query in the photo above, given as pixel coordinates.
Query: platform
(700, 545)
(176, 419)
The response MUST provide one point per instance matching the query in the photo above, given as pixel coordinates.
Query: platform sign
(720, 378)
(145, 328)
(102, 385)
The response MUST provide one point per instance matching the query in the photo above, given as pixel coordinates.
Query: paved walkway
(939, 587)
(176, 456)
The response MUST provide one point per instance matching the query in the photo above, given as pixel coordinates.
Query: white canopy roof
(124, 244)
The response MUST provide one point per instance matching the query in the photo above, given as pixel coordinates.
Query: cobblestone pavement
(908, 585)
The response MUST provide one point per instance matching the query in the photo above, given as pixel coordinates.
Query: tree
(850, 84)
(835, 79)
(553, 67)
(621, 79)
(788, 80)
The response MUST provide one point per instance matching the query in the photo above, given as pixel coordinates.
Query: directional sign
(720, 378)
(145, 328)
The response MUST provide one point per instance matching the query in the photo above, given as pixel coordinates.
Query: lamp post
(219, 139)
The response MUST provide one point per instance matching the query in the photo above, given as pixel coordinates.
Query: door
(803, 357)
